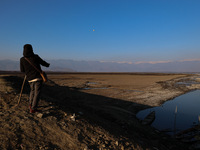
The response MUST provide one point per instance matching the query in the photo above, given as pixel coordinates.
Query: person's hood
(28, 50)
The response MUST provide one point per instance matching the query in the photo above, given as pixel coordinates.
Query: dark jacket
(25, 66)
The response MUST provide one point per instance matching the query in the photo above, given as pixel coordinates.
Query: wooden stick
(176, 109)
(21, 90)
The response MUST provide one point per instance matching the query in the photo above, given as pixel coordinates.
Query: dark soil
(75, 120)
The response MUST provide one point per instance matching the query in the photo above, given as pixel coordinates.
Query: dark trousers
(35, 93)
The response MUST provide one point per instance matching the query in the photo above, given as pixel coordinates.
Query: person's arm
(43, 63)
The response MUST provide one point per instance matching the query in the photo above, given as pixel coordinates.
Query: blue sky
(104, 30)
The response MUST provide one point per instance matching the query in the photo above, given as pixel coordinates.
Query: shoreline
(89, 119)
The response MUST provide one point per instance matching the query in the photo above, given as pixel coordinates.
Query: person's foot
(34, 110)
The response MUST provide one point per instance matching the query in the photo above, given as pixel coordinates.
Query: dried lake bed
(103, 107)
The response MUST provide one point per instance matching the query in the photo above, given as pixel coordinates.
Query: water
(96, 88)
(91, 83)
(188, 110)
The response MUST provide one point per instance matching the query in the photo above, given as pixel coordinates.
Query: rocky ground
(79, 114)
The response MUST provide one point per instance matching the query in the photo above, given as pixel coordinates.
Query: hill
(102, 66)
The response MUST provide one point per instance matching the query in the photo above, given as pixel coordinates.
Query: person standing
(32, 75)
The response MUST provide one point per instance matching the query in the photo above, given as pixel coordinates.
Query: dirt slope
(73, 120)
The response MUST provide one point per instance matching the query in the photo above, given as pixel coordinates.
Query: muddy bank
(77, 118)
(143, 90)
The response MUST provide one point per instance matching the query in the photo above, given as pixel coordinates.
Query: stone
(73, 118)
(39, 115)
(86, 148)
(117, 143)
(103, 145)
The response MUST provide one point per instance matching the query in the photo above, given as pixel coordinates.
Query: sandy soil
(88, 111)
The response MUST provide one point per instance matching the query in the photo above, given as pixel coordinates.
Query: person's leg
(37, 91)
(32, 91)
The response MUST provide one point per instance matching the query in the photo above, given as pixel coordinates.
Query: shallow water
(91, 83)
(188, 110)
(94, 83)
(96, 88)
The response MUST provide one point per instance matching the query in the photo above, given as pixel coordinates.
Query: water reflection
(188, 110)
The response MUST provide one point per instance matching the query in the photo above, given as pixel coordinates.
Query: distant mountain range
(105, 66)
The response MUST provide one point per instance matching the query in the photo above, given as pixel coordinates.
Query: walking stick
(21, 90)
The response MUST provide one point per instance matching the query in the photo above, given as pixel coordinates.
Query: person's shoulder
(22, 58)
(36, 56)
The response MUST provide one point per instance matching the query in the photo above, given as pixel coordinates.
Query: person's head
(28, 50)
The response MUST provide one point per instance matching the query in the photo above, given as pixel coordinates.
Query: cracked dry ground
(93, 126)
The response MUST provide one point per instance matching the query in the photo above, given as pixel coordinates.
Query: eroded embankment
(162, 91)
(72, 119)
